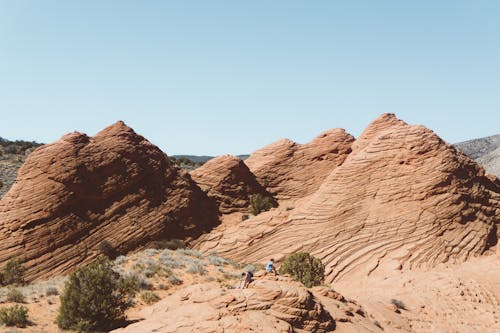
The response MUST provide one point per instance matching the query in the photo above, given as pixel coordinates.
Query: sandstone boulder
(268, 305)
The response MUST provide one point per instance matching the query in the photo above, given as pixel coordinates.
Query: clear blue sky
(214, 77)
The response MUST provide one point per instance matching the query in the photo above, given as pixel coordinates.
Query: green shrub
(12, 273)
(95, 298)
(15, 296)
(260, 203)
(149, 297)
(16, 315)
(304, 268)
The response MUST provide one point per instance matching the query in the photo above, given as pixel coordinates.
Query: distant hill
(203, 158)
(12, 156)
(486, 151)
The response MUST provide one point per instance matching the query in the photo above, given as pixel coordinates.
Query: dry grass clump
(174, 280)
(51, 291)
(196, 266)
(190, 252)
(149, 297)
(15, 296)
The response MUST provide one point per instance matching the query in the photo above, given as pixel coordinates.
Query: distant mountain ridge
(486, 151)
(204, 158)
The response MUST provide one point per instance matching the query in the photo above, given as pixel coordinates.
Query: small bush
(15, 296)
(51, 291)
(304, 268)
(12, 273)
(95, 298)
(245, 217)
(260, 203)
(399, 304)
(196, 267)
(149, 297)
(190, 252)
(16, 315)
(217, 261)
(174, 280)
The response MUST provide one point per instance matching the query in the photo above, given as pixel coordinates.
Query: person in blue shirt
(270, 267)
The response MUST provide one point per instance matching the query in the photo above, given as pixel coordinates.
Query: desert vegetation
(185, 163)
(95, 298)
(304, 268)
(12, 273)
(16, 147)
(260, 203)
(16, 315)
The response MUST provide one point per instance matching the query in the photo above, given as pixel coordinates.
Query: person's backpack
(250, 274)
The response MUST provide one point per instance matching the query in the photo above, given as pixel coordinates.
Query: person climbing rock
(270, 267)
(246, 278)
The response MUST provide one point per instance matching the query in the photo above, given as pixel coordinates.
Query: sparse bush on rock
(304, 268)
(16, 315)
(260, 203)
(95, 298)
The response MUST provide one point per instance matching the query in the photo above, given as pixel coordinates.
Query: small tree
(260, 203)
(12, 273)
(95, 298)
(304, 268)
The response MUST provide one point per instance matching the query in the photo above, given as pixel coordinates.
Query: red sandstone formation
(81, 195)
(289, 170)
(229, 181)
(402, 199)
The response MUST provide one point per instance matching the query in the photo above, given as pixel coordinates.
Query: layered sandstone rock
(229, 181)
(83, 195)
(402, 199)
(289, 170)
(268, 305)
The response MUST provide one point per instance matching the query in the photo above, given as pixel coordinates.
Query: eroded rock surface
(289, 170)
(268, 305)
(74, 194)
(402, 199)
(229, 181)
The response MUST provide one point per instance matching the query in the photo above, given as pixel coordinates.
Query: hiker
(270, 267)
(246, 278)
